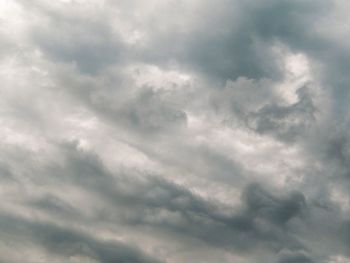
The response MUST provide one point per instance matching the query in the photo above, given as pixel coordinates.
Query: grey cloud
(148, 112)
(227, 52)
(67, 242)
(75, 36)
(91, 51)
(54, 205)
(285, 122)
(290, 257)
(344, 234)
(256, 106)
(330, 145)
(274, 222)
(157, 163)
(5, 172)
(88, 44)
(261, 222)
(295, 24)
(240, 44)
(278, 211)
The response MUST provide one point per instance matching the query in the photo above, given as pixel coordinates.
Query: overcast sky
(174, 131)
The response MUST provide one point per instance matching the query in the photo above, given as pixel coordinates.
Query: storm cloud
(174, 131)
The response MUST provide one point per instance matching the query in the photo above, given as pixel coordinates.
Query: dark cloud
(174, 131)
(285, 122)
(261, 222)
(86, 42)
(277, 210)
(66, 242)
(289, 257)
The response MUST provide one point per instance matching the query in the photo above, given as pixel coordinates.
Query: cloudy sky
(174, 131)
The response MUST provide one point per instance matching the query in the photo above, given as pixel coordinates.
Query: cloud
(295, 257)
(68, 243)
(285, 122)
(174, 131)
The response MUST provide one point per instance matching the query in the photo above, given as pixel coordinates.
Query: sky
(174, 131)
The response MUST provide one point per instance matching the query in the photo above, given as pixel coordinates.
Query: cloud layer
(174, 131)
